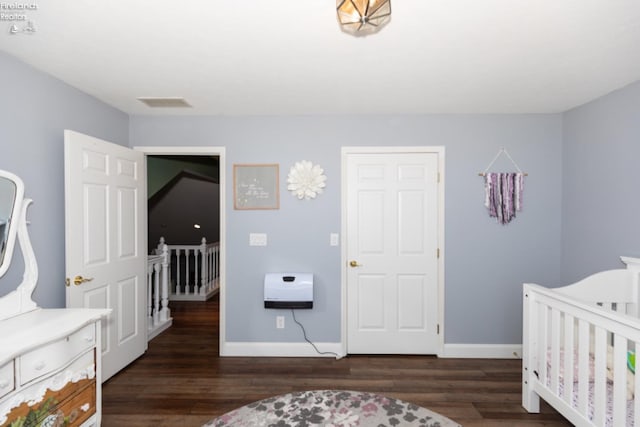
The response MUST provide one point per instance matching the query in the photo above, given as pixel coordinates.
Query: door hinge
(438, 177)
(438, 329)
(438, 253)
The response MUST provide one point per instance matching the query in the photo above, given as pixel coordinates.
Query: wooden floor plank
(181, 381)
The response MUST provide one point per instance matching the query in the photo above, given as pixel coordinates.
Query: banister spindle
(178, 275)
(149, 293)
(203, 267)
(164, 310)
(156, 293)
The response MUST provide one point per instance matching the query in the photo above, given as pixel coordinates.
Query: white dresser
(49, 369)
(50, 359)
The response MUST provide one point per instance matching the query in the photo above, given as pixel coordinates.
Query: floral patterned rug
(331, 408)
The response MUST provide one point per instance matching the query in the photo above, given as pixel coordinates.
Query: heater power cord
(304, 333)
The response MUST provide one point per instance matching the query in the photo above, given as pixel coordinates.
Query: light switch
(257, 239)
(334, 239)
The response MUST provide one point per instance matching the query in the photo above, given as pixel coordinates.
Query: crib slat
(636, 399)
(583, 365)
(569, 351)
(554, 346)
(543, 345)
(619, 380)
(600, 381)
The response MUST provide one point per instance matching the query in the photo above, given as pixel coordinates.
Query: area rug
(331, 408)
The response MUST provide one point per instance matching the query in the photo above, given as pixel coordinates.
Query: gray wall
(35, 108)
(580, 201)
(601, 191)
(486, 263)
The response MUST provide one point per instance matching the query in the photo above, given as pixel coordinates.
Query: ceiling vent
(164, 102)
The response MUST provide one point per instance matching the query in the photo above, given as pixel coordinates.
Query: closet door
(392, 252)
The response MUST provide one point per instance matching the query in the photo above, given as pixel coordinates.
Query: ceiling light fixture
(363, 17)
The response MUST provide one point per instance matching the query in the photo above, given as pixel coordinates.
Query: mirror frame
(16, 213)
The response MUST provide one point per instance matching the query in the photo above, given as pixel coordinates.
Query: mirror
(11, 195)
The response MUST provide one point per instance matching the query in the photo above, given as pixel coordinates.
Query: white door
(105, 210)
(392, 253)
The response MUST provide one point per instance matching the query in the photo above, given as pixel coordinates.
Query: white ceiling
(283, 57)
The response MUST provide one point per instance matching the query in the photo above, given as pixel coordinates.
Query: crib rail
(194, 270)
(567, 347)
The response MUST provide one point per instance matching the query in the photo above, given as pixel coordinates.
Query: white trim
(221, 153)
(280, 349)
(440, 150)
(157, 331)
(178, 150)
(483, 351)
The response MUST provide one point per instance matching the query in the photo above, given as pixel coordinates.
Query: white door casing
(392, 223)
(105, 242)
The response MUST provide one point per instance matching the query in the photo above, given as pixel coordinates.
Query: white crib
(576, 346)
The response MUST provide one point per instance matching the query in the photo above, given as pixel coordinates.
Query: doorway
(206, 154)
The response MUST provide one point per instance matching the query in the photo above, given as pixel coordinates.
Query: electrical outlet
(280, 322)
(334, 239)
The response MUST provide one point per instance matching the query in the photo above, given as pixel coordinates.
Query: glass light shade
(363, 17)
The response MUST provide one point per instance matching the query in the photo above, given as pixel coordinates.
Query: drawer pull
(85, 407)
(88, 338)
(4, 383)
(40, 366)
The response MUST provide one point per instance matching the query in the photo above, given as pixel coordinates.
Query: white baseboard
(283, 349)
(483, 351)
(155, 332)
(280, 349)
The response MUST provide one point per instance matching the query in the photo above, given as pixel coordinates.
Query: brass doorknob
(354, 264)
(79, 280)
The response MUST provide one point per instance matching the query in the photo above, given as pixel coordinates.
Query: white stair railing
(194, 270)
(158, 312)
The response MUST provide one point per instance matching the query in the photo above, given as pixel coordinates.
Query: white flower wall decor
(306, 180)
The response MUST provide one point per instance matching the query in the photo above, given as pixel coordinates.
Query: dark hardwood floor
(181, 381)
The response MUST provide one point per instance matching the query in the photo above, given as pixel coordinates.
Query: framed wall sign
(256, 186)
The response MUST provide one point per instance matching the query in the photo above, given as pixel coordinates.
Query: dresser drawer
(76, 410)
(70, 407)
(55, 355)
(81, 406)
(7, 379)
(43, 397)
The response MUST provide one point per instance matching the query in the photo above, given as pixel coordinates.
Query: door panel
(410, 222)
(411, 300)
(128, 304)
(95, 233)
(371, 302)
(392, 235)
(127, 223)
(371, 226)
(105, 208)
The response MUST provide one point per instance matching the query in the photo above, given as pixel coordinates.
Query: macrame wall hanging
(503, 190)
